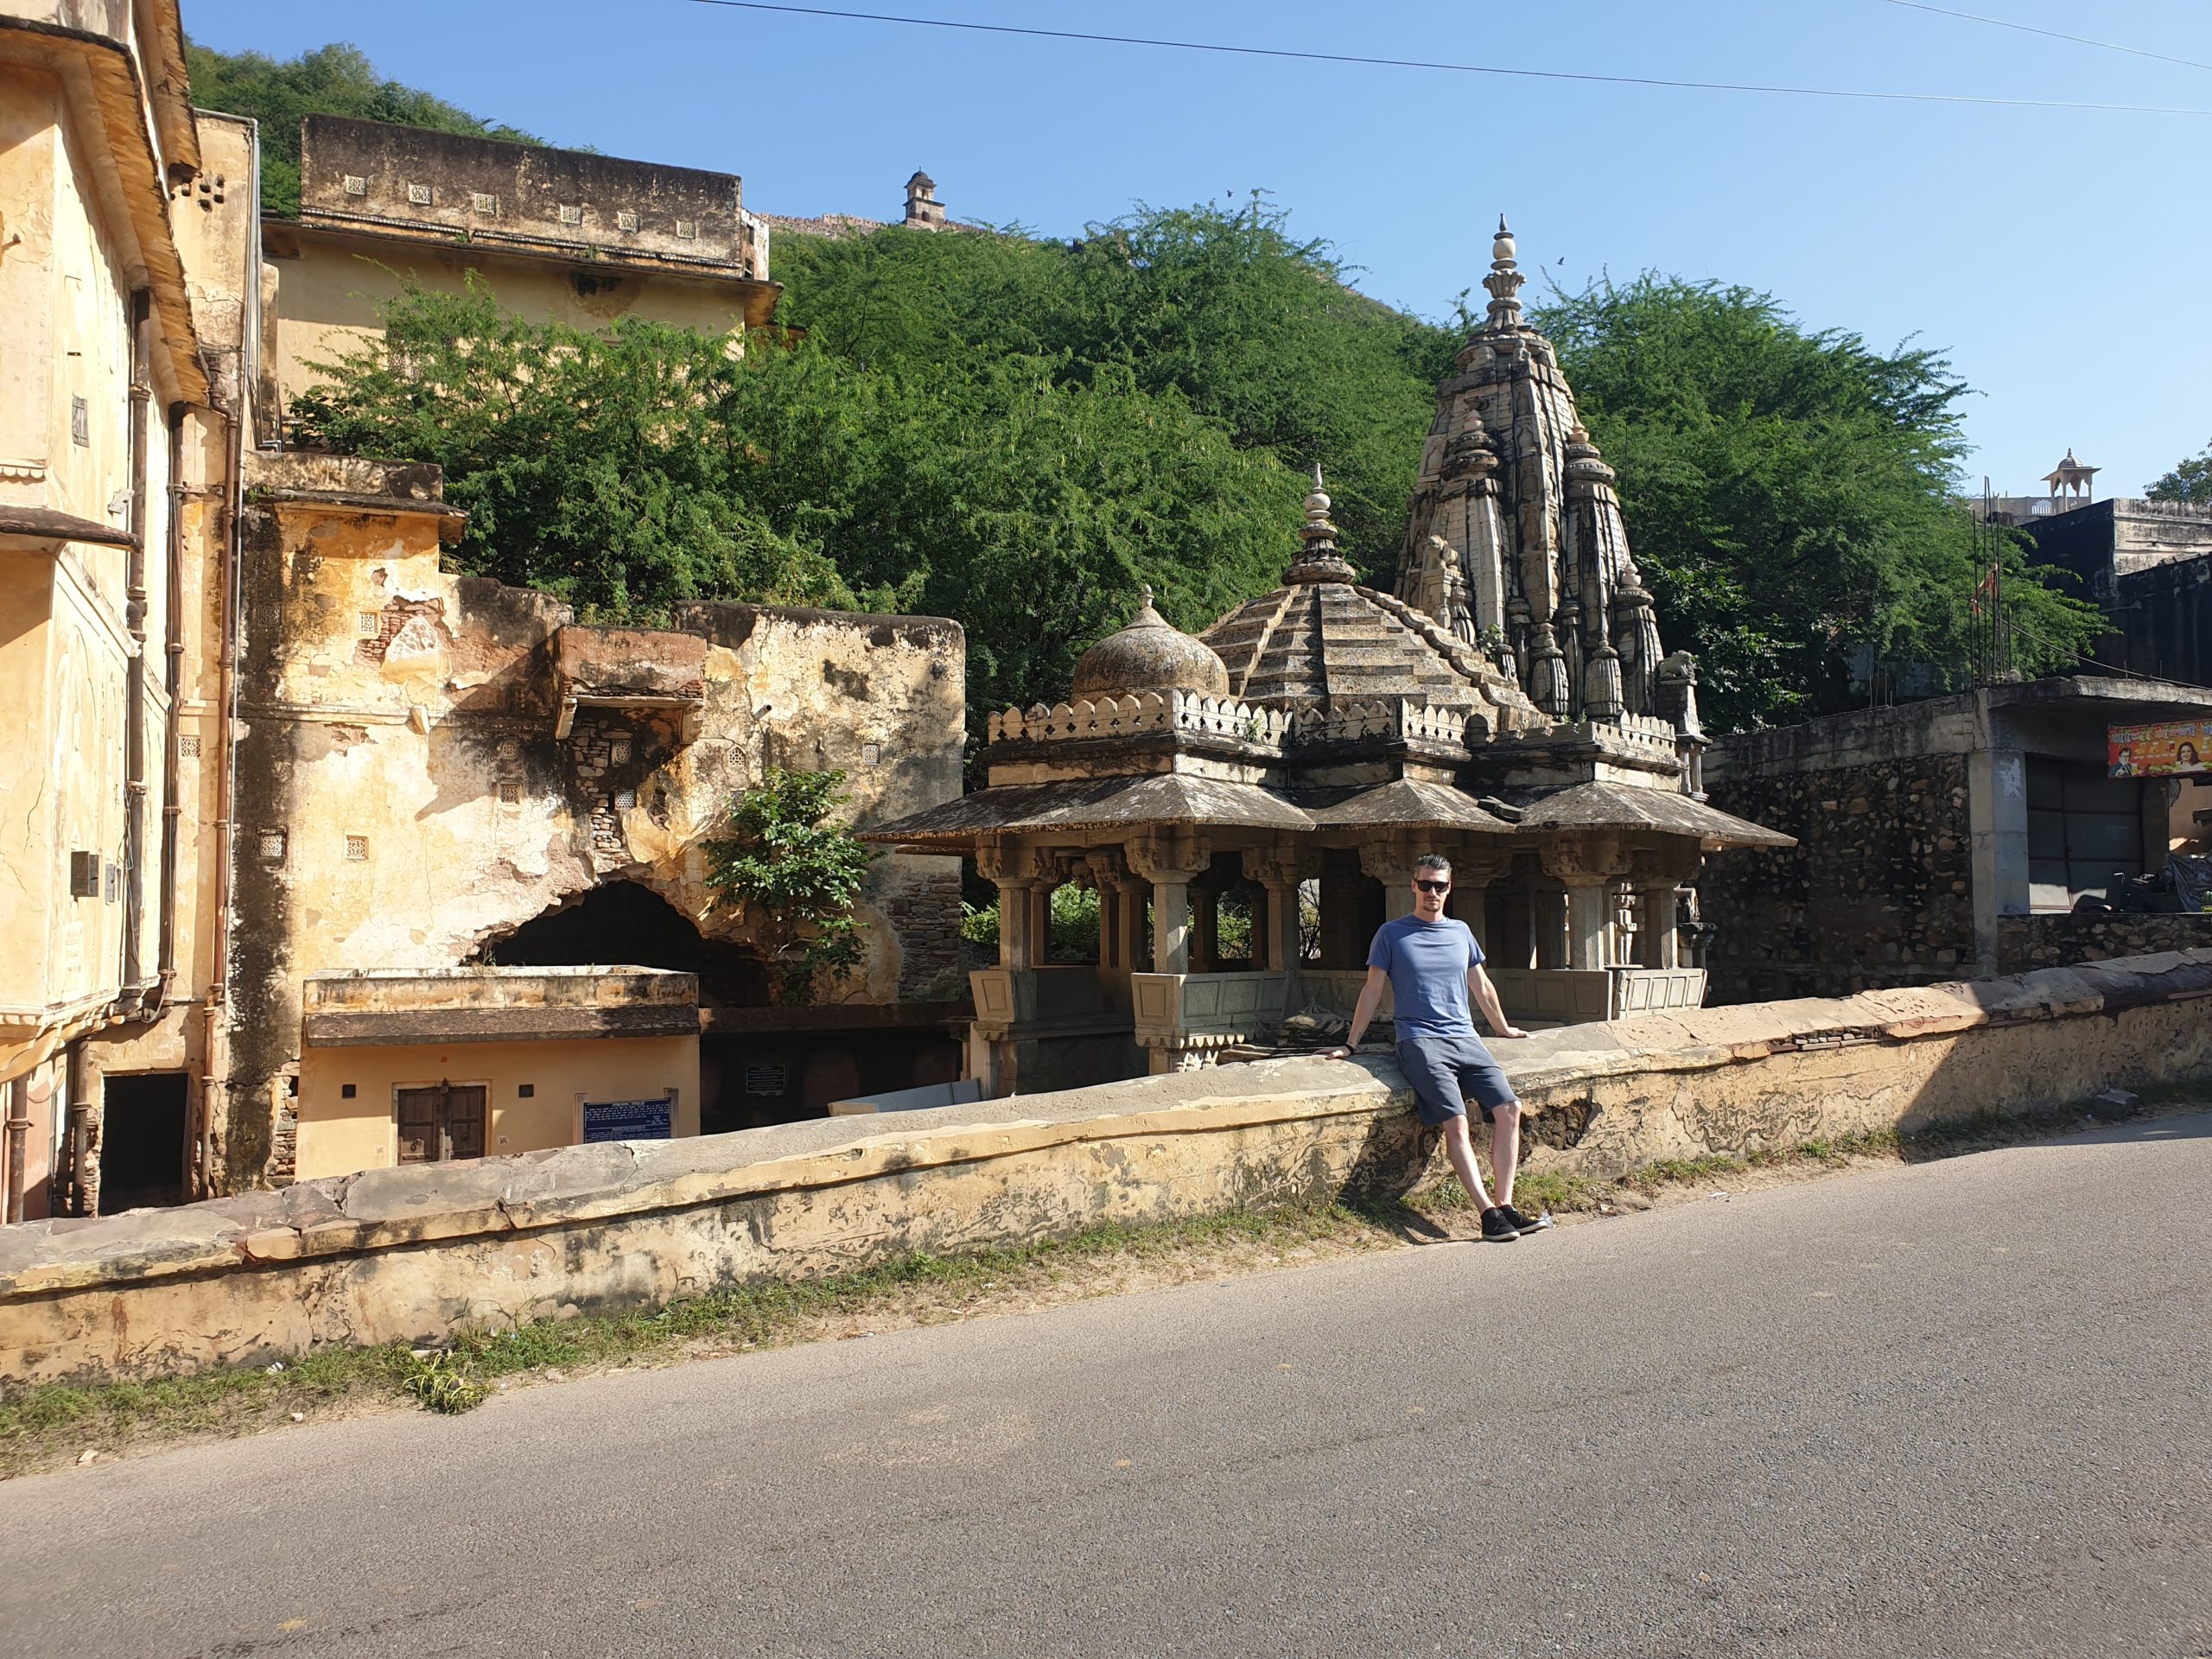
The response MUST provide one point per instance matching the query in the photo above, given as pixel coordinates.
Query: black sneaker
(1522, 1223)
(1499, 1228)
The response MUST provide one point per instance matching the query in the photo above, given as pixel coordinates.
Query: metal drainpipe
(85, 1170)
(134, 614)
(218, 972)
(172, 681)
(19, 1135)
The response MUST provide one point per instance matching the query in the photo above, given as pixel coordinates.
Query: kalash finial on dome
(1150, 654)
(1318, 559)
(1504, 280)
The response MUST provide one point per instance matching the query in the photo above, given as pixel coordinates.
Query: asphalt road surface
(1954, 1409)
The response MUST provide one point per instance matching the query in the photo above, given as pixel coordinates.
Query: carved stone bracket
(1284, 867)
(1583, 859)
(1170, 858)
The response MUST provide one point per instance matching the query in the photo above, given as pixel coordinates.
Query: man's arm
(1371, 998)
(1485, 997)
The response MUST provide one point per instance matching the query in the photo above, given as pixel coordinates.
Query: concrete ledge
(417, 1253)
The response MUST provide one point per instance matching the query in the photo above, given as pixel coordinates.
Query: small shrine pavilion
(1509, 706)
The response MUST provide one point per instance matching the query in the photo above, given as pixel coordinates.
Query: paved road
(1955, 1409)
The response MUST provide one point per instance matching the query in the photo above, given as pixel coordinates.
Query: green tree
(336, 80)
(604, 467)
(1787, 495)
(791, 874)
(2190, 480)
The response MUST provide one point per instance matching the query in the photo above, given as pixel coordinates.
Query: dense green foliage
(2190, 480)
(791, 872)
(335, 79)
(1786, 496)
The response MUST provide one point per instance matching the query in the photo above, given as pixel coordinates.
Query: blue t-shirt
(1428, 963)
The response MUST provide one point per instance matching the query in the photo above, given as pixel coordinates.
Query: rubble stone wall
(2025, 943)
(416, 1254)
(1878, 891)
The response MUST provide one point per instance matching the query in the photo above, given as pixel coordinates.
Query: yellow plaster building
(262, 756)
(557, 235)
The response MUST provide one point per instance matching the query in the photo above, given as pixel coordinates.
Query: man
(1432, 966)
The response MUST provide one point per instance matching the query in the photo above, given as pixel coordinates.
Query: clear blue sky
(2061, 256)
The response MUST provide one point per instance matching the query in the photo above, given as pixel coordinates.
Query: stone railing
(1648, 737)
(1265, 726)
(420, 1254)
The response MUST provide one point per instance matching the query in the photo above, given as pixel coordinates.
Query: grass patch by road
(54, 1424)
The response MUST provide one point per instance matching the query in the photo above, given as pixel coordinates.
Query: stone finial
(1504, 280)
(1318, 559)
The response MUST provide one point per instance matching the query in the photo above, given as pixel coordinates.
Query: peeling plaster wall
(403, 797)
(417, 1254)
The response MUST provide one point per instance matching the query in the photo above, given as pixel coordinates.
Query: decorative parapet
(1267, 726)
(1640, 737)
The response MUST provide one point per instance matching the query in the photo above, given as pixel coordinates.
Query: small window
(571, 215)
(618, 752)
(371, 624)
(357, 848)
(84, 875)
(511, 794)
(487, 205)
(344, 1091)
(525, 1092)
(356, 185)
(188, 747)
(270, 845)
(871, 754)
(625, 221)
(81, 422)
(687, 229)
(418, 195)
(625, 800)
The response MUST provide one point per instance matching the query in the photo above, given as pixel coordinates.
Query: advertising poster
(2167, 749)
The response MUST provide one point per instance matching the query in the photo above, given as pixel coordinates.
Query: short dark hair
(1432, 861)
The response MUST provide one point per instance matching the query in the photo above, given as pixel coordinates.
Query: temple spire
(1504, 280)
(1318, 559)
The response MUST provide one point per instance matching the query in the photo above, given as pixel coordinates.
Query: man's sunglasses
(1433, 887)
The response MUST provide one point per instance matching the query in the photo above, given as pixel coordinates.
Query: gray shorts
(1450, 1073)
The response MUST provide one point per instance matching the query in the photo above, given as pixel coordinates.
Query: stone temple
(1510, 705)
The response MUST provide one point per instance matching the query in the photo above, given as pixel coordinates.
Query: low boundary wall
(419, 1253)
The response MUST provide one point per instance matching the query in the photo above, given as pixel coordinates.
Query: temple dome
(1150, 654)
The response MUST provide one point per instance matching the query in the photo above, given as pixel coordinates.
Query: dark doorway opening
(750, 1081)
(143, 1142)
(624, 922)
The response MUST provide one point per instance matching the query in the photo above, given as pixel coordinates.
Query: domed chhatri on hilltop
(1508, 705)
(1150, 654)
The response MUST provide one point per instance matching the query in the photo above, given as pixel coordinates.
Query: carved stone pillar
(1278, 870)
(1392, 864)
(1657, 878)
(1547, 926)
(1205, 929)
(1588, 864)
(1168, 861)
(1472, 872)
(1110, 874)
(1016, 872)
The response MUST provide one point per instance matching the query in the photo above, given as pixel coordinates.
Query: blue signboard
(629, 1120)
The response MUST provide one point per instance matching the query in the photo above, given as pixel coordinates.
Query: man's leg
(1461, 1152)
(1505, 1146)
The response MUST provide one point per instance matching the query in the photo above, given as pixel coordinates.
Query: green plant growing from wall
(789, 872)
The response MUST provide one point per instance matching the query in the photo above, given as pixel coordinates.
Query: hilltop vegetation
(335, 79)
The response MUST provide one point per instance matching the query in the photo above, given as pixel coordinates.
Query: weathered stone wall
(405, 797)
(419, 1253)
(2026, 943)
(1877, 891)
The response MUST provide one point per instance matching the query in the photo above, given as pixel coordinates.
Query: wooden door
(441, 1123)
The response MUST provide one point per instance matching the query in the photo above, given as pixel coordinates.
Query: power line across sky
(1362, 60)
